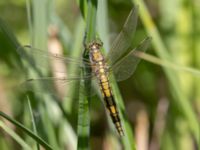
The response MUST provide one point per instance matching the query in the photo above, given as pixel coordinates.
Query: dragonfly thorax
(96, 56)
(95, 53)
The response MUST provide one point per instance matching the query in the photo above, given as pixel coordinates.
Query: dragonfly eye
(99, 42)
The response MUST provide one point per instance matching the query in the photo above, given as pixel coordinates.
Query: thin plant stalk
(83, 110)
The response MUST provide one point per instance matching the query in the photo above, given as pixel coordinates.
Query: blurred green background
(162, 100)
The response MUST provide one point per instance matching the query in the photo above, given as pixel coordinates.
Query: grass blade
(27, 131)
(33, 120)
(15, 136)
(48, 124)
(83, 112)
(167, 64)
(102, 23)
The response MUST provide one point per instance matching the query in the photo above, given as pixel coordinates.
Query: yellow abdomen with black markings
(100, 70)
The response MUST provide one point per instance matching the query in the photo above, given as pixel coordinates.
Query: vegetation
(159, 105)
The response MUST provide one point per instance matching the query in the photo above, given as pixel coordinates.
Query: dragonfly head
(95, 45)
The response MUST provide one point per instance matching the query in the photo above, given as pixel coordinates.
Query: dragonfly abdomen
(110, 103)
(100, 70)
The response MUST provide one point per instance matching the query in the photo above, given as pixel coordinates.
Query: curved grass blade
(27, 131)
(8, 40)
(167, 64)
(15, 136)
(49, 126)
(33, 121)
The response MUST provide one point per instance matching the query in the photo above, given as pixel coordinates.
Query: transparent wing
(124, 38)
(126, 66)
(40, 59)
(60, 87)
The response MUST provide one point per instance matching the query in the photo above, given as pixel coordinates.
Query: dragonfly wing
(124, 38)
(60, 87)
(126, 66)
(40, 59)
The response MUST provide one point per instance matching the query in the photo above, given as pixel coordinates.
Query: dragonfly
(120, 61)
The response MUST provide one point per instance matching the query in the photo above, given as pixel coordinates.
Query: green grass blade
(83, 124)
(33, 120)
(83, 111)
(168, 64)
(15, 136)
(91, 21)
(40, 23)
(162, 52)
(27, 131)
(102, 23)
(83, 7)
(7, 37)
(30, 23)
(48, 124)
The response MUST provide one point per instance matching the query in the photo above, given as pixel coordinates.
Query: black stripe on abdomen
(110, 103)
(111, 107)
